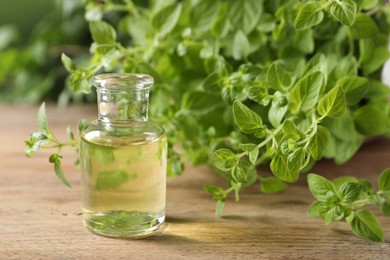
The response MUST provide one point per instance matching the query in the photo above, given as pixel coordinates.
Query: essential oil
(123, 159)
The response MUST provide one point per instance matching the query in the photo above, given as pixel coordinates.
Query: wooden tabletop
(41, 219)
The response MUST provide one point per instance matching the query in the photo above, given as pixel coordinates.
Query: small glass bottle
(123, 159)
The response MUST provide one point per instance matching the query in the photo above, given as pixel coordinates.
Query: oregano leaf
(344, 11)
(364, 27)
(384, 181)
(68, 63)
(241, 46)
(333, 103)
(102, 32)
(365, 225)
(278, 77)
(306, 91)
(350, 191)
(246, 120)
(219, 207)
(253, 155)
(42, 120)
(166, 19)
(259, 95)
(244, 14)
(56, 160)
(308, 16)
(272, 185)
(279, 167)
(239, 174)
(320, 187)
(224, 159)
(318, 142)
(296, 159)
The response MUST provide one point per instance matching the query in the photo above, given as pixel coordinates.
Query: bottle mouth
(122, 81)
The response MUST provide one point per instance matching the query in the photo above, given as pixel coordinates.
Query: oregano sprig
(45, 139)
(344, 198)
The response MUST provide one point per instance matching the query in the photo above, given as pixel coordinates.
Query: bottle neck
(123, 106)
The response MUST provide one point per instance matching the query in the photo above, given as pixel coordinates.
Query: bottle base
(125, 224)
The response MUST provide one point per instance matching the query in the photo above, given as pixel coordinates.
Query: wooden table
(41, 218)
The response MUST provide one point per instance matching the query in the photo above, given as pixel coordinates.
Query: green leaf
(377, 57)
(290, 130)
(244, 14)
(370, 120)
(339, 181)
(333, 103)
(70, 133)
(318, 142)
(278, 77)
(203, 15)
(365, 225)
(200, 102)
(364, 27)
(68, 63)
(259, 95)
(253, 151)
(272, 185)
(368, 4)
(266, 23)
(317, 63)
(212, 83)
(246, 120)
(276, 113)
(219, 208)
(384, 181)
(175, 166)
(296, 160)
(344, 11)
(102, 32)
(81, 125)
(241, 46)
(217, 192)
(166, 19)
(386, 208)
(304, 41)
(35, 142)
(56, 160)
(79, 81)
(314, 209)
(108, 180)
(350, 191)
(211, 188)
(306, 91)
(345, 149)
(335, 213)
(238, 174)
(42, 120)
(253, 156)
(279, 167)
(354, 88)
(321, 188)
(224, 159)
(308, 16)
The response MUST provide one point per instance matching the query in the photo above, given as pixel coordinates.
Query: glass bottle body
(123, 171)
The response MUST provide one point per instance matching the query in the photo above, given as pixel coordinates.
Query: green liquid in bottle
(124, 183)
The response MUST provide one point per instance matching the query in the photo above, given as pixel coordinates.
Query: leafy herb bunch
(246, 83)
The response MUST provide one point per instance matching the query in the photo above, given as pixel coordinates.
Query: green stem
(270, 136)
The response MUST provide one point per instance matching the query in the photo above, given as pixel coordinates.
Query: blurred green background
(33, 34)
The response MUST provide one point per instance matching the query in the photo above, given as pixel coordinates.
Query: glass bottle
(123, 159)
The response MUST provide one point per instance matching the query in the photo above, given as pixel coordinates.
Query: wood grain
(41, 219)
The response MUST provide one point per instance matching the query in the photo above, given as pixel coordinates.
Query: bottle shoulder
(129, 132)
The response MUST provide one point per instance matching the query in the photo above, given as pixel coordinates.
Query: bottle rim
(122, 81)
